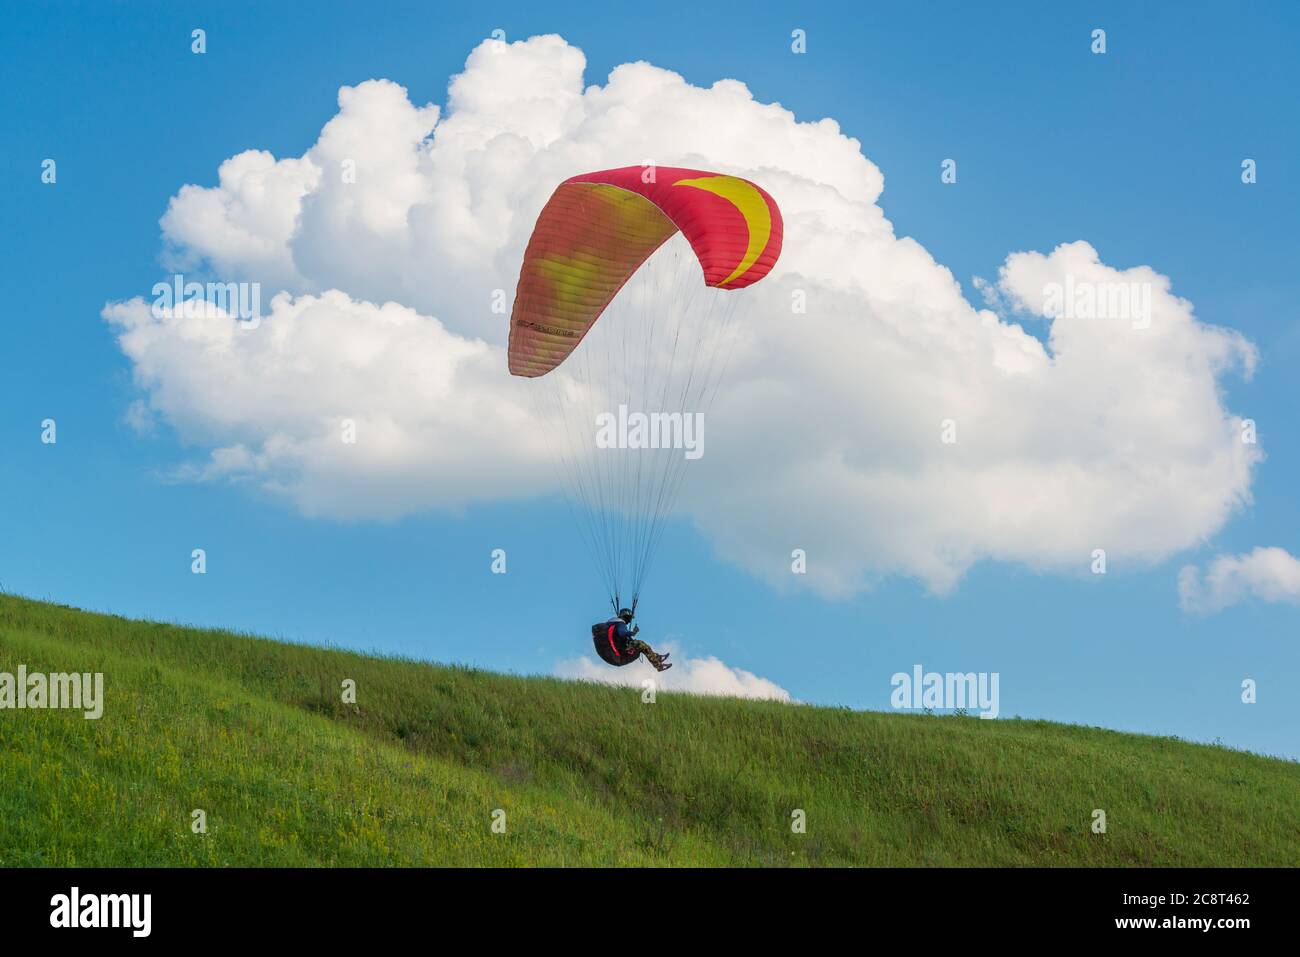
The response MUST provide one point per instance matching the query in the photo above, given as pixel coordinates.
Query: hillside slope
(254, 733)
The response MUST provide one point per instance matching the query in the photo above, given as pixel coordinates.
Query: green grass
(254, 733)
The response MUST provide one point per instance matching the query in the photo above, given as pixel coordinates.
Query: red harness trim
(610, 635)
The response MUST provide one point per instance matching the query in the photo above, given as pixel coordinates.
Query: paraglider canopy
(615, 263)
(598, 228)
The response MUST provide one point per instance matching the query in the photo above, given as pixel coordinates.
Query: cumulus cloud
(705, 676)
(388, 406)
(1265, 574)
(828, 434)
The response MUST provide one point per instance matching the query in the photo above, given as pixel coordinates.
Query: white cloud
(1267, 574)
(432, 415)
(248, 218)
(705, 676)
(826, 435)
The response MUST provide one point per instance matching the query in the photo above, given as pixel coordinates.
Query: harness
(610, 647)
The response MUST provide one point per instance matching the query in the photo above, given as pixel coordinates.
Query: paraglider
(627, 247)
(618, 645)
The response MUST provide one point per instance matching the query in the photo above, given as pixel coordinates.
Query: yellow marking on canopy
(746, 198)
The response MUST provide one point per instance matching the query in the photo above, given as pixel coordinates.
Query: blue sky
(1137, 152)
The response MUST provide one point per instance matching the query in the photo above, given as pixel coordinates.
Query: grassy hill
(254, 733)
